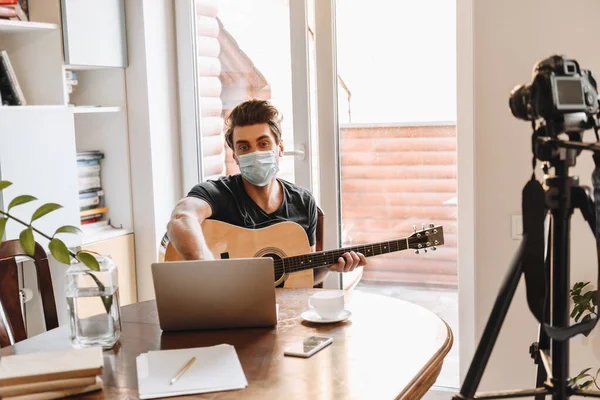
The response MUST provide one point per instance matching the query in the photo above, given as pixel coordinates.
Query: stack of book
(10, 90)
(14, 9)
(51, 375)
(91, 197)
(70, 83)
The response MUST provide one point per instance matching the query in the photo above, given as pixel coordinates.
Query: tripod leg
(543, 339)
(492, 328)
(541, 374)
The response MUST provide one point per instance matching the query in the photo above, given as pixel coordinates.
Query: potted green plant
(90, 278)
(584, 305)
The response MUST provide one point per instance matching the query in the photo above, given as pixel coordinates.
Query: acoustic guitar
(287, 244)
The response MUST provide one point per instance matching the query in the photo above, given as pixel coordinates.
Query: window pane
(397, 111)
(243, 52)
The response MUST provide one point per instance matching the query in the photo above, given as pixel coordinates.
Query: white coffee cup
(328, 304)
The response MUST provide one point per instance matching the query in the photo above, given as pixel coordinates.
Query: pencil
(185, 368)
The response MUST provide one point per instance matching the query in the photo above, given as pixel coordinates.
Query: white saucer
(312, 316)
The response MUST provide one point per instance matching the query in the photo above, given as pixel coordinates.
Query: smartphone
(308, 346)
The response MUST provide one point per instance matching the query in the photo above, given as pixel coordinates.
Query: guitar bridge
(225, 256)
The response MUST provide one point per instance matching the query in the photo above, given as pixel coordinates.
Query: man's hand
(348, 261)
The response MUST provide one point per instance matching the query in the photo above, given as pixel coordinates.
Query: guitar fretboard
(329, 257)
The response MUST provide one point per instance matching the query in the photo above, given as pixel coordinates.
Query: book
(92, 193)
(9, 85)
(50, 366)
(70, 75)
(39, 387)
(59, 393)
(20, 9)
(25, 8)
(88, 183)
(89, 155)
(91, 219)
(93, 227)
(7, 13)
(93, 211)
(88, 169)
(91, 202)
(88, 163)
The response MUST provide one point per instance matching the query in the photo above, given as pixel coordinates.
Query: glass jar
(93, 304)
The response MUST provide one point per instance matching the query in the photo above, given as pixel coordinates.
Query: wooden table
(387, 349)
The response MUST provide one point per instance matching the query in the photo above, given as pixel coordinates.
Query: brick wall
(395, 177)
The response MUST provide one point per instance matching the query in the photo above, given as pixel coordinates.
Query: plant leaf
(586, 384)
(4, 184)
(107, 301)
(60, 251)
(68, 229)
(44, 209)
(2, 226)
(27, 241)
(89, 260)
(574, 312)
(17, 201)
(581, 374)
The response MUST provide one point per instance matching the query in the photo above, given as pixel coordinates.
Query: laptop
(216, 294)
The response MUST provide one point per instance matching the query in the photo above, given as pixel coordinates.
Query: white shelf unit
(7, 26)
(104, 234)
(39, 143)
(97, 122)
(95, 110)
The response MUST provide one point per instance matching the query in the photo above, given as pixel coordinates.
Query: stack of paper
(216, 368)
(50, 375)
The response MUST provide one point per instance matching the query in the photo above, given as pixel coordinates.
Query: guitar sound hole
(277, 271)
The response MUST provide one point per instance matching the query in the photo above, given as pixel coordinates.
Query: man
(253, 199)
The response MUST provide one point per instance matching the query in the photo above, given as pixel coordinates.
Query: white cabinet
(37, 154)
(94, 33)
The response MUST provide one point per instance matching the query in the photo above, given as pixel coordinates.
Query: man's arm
(185, 231)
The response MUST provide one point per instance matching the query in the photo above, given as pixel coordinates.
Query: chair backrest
(320, 229)
(12, 326)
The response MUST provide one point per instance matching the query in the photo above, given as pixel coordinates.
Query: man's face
(251, 138)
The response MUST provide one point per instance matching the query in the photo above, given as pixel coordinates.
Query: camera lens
(519, 100)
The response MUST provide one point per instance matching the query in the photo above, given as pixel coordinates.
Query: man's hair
(252, 112)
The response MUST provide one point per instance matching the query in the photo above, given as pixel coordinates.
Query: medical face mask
(258, 167)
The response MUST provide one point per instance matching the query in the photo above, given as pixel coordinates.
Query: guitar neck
(329, 257)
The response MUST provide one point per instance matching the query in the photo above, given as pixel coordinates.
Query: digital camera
(558, 87)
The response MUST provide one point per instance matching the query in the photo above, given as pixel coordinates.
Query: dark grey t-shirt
(230, 203)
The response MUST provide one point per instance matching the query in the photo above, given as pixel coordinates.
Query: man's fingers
(363, 260)
(349, 262)
(339, 267)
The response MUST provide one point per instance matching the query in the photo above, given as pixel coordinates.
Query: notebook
(216, 368)
(49, 366)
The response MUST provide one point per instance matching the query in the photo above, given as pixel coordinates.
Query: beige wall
(153, 114)
(509, 37)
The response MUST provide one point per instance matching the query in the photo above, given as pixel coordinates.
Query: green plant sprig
(56, 246)
(584, 306)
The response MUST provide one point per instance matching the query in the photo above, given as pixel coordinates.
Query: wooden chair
(319, 239)
(320, 229)
(12, 326)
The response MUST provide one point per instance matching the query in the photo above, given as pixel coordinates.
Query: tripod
(551, 352)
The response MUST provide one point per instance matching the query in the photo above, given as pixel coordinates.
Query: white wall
(154, 129)
(509, 37)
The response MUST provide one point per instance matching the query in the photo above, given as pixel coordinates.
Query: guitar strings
(297, 263)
